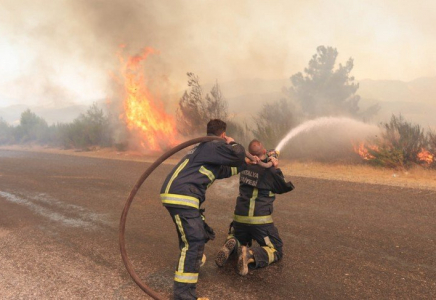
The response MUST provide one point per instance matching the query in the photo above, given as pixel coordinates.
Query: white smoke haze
(62, 52)
(225, 39)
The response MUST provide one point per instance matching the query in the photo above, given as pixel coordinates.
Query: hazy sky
(53, 52)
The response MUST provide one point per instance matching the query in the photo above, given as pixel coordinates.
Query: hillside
(415, 100)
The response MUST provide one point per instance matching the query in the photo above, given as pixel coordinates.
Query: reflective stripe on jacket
(186, 184)
(257, 189)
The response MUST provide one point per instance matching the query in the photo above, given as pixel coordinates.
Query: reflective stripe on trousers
(192, 238)
(253, 220)
(181, 200)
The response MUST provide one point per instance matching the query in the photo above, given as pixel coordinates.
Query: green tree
(89, 129)
(6, 134)
(323, 90)
(32, 128)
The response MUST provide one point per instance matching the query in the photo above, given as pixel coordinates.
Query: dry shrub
(195, 110)
(431, 139)
(274, 121)
(399, 144)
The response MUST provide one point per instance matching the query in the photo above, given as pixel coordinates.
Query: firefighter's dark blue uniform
(253, 212)
(182, 194)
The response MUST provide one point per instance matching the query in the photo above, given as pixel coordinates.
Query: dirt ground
(349, 232)
(413, 178)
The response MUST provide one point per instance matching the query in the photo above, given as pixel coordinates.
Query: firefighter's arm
(277, 182)
(232, 154)
(226, 171)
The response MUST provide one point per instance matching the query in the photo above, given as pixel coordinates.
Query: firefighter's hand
(253, 161)
(228, 139)
(275, 161)
(256, 160)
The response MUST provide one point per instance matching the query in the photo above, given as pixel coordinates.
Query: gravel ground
(343, 240)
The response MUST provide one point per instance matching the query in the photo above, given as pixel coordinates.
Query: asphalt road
(59, 236)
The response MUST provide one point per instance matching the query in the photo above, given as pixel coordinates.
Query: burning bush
(431, 155)
(386, 156)
(401, 145)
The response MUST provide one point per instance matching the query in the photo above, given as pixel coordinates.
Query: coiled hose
(144, 176)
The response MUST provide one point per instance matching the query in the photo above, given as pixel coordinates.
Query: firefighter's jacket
(185, 186)
(257, 189)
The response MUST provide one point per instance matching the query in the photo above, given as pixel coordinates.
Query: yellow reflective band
(176, 173)
(270, 252)
(186, 277)
(185, 241)
(180, 200)
(253, 202)
(234, 171)
(253, 220)
(208, 173)
(271, 194)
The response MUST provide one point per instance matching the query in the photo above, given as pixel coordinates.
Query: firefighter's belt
(253, 220)
(183, 200)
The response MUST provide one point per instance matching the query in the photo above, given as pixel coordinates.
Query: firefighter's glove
(210, 234)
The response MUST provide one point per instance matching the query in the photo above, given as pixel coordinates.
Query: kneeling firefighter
(184, 191)
(253, 214)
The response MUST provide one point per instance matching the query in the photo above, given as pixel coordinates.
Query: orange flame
(425, 156)
(143, 113)
(362, 150)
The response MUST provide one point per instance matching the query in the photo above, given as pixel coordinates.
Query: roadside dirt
(59, 222)
(414, 178)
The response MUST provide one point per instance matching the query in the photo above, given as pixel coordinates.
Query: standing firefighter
(252, 219)
(184, 191)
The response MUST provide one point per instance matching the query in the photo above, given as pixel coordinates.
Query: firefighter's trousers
(266, 235)
(192, 238)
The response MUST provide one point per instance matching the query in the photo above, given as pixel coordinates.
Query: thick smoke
(222, 40)
(81, 38)
(69, 47)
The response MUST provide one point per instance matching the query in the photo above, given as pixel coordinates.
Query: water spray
(306, 126)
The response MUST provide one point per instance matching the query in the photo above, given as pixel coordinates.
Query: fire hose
(144, 176)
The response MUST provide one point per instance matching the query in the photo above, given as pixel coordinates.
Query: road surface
(59, 236)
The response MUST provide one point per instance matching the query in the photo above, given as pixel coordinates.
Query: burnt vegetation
(323, 89)
(402, 145)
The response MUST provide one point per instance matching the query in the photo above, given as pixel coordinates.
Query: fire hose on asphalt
(129, 201)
